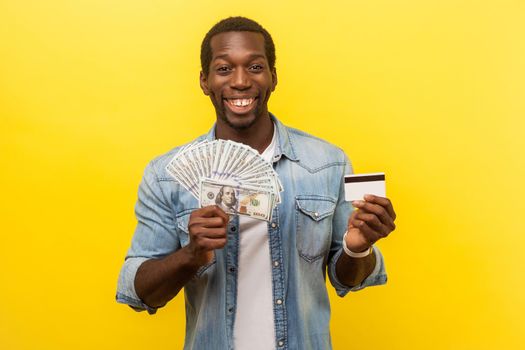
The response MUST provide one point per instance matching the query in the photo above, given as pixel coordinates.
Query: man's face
(240, 80)
(228, 196)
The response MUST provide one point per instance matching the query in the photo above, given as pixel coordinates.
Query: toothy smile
(240, 102)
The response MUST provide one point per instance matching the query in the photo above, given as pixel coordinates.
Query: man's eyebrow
(252, 56)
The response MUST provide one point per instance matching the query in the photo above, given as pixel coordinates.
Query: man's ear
(204, 84)
(274, 78)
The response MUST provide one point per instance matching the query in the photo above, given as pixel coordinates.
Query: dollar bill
(237, 200)
(210, 165)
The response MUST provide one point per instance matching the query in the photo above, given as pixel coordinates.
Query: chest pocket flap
(314, 225)
(316, 207)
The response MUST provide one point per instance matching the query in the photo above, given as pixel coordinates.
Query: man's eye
(223, 69)
(256, 67)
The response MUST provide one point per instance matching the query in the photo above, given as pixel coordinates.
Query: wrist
(353, 254)
(196, 258)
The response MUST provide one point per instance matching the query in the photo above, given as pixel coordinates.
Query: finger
(211, 211)
(370, 235)
(352, 216)
(214, 210)
(373, 222)
(215, 221)
(219, 232)
(382, 201)
(225, 217)
(381, 214)
(378, 210)
(210, 243)
(207, 211)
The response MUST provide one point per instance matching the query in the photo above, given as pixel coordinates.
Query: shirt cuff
(376, 278)
(126, 286)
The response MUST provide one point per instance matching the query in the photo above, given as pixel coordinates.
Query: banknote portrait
(226, 199)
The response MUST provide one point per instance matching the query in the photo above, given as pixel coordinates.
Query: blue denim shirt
(305, 237)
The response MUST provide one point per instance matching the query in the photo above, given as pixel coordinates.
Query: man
(226, 200)
(252, 284)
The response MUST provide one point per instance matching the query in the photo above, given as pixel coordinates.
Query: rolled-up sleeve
(126, 286)
(339, 226)
(155, 237)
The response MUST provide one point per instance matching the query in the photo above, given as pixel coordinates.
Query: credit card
(357, 185)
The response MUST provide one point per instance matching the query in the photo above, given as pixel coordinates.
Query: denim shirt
(305, 237)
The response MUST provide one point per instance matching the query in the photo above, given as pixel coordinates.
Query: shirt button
(230, 310)
(279, 301)
(233, 228)
(232, 269)
(274, 225)
(275, 263)
(316, 214)
(280, 343)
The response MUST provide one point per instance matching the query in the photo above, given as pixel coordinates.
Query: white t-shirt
(254, 323)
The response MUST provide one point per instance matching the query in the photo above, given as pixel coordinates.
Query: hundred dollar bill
(234, 200)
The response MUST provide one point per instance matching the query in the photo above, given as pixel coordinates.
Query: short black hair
(235, 24)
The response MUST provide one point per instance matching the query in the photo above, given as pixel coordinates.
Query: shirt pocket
(313, 225)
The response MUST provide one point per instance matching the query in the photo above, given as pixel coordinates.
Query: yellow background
(430, 92)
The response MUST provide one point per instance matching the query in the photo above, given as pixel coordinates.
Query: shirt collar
(285, 145)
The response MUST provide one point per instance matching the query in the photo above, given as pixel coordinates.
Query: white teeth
(241, 102)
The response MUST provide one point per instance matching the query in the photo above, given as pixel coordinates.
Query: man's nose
(240, 79)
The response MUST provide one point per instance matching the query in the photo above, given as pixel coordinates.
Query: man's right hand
(208, 228)
(158, 280)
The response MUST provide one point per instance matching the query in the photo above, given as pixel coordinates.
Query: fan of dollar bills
(231, 175)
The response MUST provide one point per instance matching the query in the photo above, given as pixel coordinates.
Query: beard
(245, 124)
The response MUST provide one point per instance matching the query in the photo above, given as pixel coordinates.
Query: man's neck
(257, 136)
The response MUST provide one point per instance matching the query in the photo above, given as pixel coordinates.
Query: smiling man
(240, 102)
(252, 284)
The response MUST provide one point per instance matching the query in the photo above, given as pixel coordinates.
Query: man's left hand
(373, 220)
